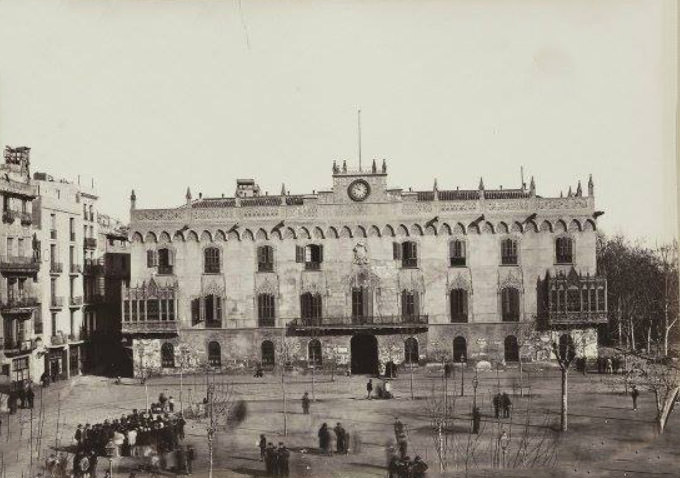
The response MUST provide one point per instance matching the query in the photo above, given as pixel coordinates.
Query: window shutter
(416, 303)
(299, 254)
(149, 258)
(404, 302)
(452, 249)
(320, 253)
(414, 251)
(462, 249)
(218, 308)
(195, 312)
(171, 258)
(155, 258)
(396, 251)
(308, 254)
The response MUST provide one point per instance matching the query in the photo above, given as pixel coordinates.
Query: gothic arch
(402, 230)
(345, 232)
(178, 236)
(303, 233)
(560, 226)
(332, 233)
(388, 231)
(445, 229)
(248, 235)
(318, 233)
(137, 237)
(360, 231)
(267, 286)
(164, 237)
(473, 229)
(374, 231)
(502, 228)
(276, 234)
(416, 230)
(516, 227)
(290, 233)
(546, 226)
(459, 228)
(430, 230)
(234, 235)
(192, 236)
(487, 228)
(151, 237)
(206, 236)
(531, 227)
(589, 225)
(220, 235)
(575, 226)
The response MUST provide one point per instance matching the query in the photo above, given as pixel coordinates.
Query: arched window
(510, 304)
(211, 260)
(411, 350)
(410, 306)
(563, 250)
(265, 259)
(511, 349)
(314, 352)
(267, 354)
(458, 299)
(214, 354)
(310, 307)
(457, 253)
(459, 349)
(265, 310)
(566, 347)
(168, 355)
(509, 252)
(407, 253)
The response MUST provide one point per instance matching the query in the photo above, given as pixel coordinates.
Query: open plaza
(606, 437)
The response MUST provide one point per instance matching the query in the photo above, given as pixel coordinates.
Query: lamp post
(475, 384)
(462, 375)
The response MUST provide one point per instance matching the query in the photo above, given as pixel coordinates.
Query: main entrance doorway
(364, 349)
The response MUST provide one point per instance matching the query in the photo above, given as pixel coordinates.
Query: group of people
(404, 467)
(21, 398)
(502, 405)
(276, 460)
(341, 439)
(608, 365)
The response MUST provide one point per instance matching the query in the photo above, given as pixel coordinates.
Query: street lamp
(475, 384)
(462, 374)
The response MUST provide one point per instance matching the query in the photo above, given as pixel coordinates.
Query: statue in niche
(360, 254)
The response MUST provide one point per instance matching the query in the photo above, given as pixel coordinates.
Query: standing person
(400, 435)
(262, 445)
(393, 466)
(78, 436)
(476, 419)
(369, 388)
(180, 426)
(191, 456)
(609, 365)
(282, 461)
(269, 459)
(507, 404)
(340, 436)
(171, 404)
(181, 458)
(305, 404)
(634, 393)
(496, 405)
(418, 468)
(324, 438)
(30, 396)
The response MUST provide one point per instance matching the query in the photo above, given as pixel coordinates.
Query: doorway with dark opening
(364, 350)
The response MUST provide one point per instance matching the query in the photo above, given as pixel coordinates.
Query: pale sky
(161, 95)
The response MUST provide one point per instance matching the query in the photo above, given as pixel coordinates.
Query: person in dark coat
(369, 388)
(305, 403)
(191, 456)
(418, 468)
(393, 467)
(282, 461)
(262, 445)
(269, 459)
(634, 393)
(476, 420)
(79, 436)
(30, 397)
(505, 405)
(340, 439)
(324, 438)
(181, 459)
(496, 405)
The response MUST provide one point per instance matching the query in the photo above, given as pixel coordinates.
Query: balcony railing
(90, 243)
(12, 347)
(312, 266)
(26, 219)
(576, 318)
(93, 267)
(76, 269)
(19, 304)
(265, 267)
(73, 237)
(9, 215)
(56, 302)
(56, 267)
(19, 264)
(164, 270)
(75, 301)
(266, 322)
(150, 327)
(384, 321)
(409, 262)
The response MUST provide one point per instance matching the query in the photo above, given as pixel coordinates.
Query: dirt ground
(606, 438)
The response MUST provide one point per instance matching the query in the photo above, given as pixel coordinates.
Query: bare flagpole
(359, 135)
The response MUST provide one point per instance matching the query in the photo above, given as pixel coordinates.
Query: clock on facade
(358, 190)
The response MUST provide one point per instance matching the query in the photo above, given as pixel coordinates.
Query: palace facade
(360, 275)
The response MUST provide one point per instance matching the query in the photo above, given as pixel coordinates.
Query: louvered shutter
(414, 253)
(404, 303)
(218, 309)
(416, 304)
(149, 258)
(299, 254)
(396, 251)
(171, 257)
(195, 311)
(320, 253)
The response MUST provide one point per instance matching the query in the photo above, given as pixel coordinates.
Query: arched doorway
(267, 351)
(314, 353)
(511, 349)
(460, 349)
(364, 349)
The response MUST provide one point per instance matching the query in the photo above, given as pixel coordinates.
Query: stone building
(19, 267)
(362, 274)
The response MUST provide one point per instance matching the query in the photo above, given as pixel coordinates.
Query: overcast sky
(161, 95)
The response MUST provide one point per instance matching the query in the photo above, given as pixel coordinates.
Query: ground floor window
(314, 352)
(168, 355)
(20, 370)
(459, 349)
(511, 349)
(214, 354)
(411, 350)
(267, 354)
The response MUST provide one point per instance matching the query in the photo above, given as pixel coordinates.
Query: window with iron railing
(563, 250)
(510, 304)
(407, 253)
(265, 310)
(265, 259)
(457, 253)
(509, 252)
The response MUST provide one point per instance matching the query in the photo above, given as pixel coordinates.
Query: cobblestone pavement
(606, 438)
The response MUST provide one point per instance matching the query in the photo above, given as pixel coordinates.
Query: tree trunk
(565, 405)
(649, 339)
(666, 332)
(285, 402)
(664, 412)
(521, 382)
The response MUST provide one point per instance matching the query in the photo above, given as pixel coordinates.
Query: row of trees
(642, 284)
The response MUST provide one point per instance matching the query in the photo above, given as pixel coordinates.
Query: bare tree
(565, 354)
(668, 258)
(440, 411)
(524, 332)
(285, 351)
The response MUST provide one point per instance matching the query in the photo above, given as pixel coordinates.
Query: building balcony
(369, 322)
(575, 318)
(19, 264)
(56, 302)
(26, 219)
(75, 269)
(56, 267)
(75, 301)
(90, 243)
(163, 327)
(8, 216)
(312, 266)
(266, 322)
(93, 267)
(19, 305)
(409, 263)
(53, 233)
(12, 347)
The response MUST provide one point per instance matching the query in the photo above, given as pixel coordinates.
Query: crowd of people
(21, 398)
(341, 439)
(502, 405)
(276, 460)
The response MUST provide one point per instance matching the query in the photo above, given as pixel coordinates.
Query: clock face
(359, 190)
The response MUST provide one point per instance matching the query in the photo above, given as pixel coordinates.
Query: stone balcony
(56, 267)
(12, 347)
(19, 264)
(150, 327)
(384, 322)
(56, 302)
(75, 269)
(576, 318)
(75, 301)
(19, 305)
(90, 243)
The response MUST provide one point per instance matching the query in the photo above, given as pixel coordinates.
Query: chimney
(188, 196)
(133, 200)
